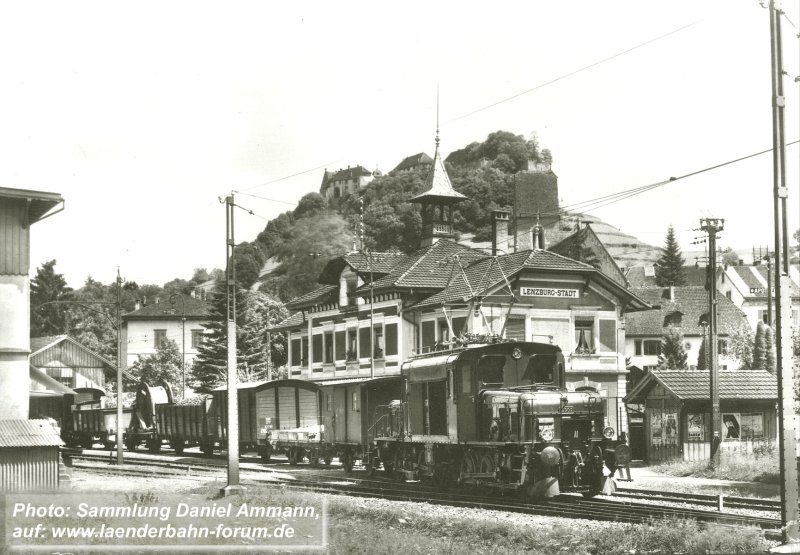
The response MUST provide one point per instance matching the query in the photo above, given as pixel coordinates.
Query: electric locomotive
(498, 416)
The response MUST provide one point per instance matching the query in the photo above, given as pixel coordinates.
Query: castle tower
(437, 202)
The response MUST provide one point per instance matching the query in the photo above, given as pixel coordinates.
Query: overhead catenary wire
(574, 72)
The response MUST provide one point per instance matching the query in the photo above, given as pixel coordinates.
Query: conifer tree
(769, 350)
(48, 286)
(669, 268)
(702, 356)
(759, 348)
(673, 355)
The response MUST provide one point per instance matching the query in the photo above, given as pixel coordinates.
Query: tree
(673, 355)
(48, 286)
(740, 346)
(769, 350)
(254, 312)
(669, 268)
(702, 356)
(759, 348)
(729, 257)
(314, 242)
(164, 364)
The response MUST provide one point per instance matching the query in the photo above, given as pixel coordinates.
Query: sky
(143, 115)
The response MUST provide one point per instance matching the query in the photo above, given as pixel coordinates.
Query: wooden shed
(677, 412)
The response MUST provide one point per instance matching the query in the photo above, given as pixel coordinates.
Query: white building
(747, 287)
(183, 322)
(684, 308)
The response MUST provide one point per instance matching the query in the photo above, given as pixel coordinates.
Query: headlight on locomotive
(546, 433)
(608, 432)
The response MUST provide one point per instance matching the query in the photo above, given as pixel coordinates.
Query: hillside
(287, 256)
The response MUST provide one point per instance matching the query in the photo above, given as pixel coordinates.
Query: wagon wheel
(154, 445)
(371, 463)
(347, 461)
(178, 444)
(327, 459)
(86, 440)
(313, 458)
(293, 456)
(266, 454)
(207, 448)
(131, 443)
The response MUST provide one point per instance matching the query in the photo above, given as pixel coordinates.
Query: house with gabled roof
(752, 288)
(183, 320)
(419, 162)
(685, 308)
(345, 181)
(70, 363)
(373, 311)
(644, 275)
(677, 412)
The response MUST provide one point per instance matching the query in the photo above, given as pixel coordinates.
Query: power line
(571, 73)
(265, 198)
(290, 176)
(622, 195)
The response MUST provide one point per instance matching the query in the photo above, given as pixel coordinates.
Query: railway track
(726, 501)
(331, 482)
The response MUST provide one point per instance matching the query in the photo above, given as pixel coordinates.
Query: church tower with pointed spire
(437, 201)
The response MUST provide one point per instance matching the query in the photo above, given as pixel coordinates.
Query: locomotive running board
(467, 475)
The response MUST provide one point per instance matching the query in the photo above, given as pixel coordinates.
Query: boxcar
(354, 413)
(288, 419)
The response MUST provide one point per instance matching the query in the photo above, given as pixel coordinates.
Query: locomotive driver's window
(540, 369)
(490, 369)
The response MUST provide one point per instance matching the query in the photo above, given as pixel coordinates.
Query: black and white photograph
(351, 277)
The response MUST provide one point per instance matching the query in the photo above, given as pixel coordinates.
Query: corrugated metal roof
(28, 433)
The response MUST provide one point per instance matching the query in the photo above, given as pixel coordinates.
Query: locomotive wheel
(468, 466)
(486, 465)
(399, 475)
(347, 461)
(444, 474)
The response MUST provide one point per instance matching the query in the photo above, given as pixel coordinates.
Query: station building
(372, 311)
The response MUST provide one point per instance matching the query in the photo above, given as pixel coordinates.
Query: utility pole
(119, 371)
(783, 306)
(712, 226)
(233, 487)
(183, 340)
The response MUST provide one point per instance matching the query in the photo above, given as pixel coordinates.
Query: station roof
(694, 385)
(39, 202)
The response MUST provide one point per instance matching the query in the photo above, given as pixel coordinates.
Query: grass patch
(372, 526)
(760, 466)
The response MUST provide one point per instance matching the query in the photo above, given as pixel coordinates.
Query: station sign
(760, 291)
(549, 292)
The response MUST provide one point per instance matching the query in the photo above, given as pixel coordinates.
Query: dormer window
(673, 319)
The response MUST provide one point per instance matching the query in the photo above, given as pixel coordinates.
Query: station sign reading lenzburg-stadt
(549, 292)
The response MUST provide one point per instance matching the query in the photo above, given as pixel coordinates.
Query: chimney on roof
(537, 238)
(500, 219)
(137, 305)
